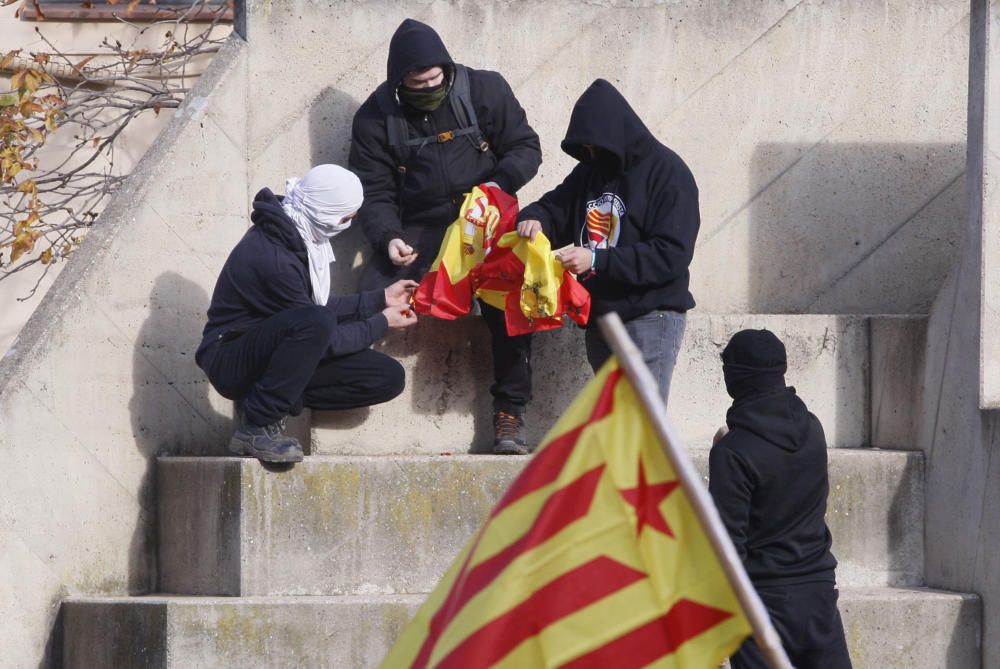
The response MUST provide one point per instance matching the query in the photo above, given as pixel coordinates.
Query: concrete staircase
(321, 564)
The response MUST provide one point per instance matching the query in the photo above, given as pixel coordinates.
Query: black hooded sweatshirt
(268, 272)
(768, 477)
(419, 205)
(650, 196)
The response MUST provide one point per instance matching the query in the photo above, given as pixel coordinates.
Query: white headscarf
(317, 202)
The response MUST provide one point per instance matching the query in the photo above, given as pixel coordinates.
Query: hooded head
(605, 132)
(754, 362)
(321, 204)
(415, 46)
(321, 200)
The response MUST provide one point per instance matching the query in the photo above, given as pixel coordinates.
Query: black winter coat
(643, 194)
(268, 272)
(768, 477)
(419, 205)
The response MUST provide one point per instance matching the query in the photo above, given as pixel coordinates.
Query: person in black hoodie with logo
(630, 210)
(768, 478)
(276, 340)
(430, 133)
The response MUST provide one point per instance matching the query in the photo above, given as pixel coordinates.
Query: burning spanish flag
(483, 255)
(593, 558)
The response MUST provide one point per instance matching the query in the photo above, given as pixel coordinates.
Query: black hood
(779, 417)
(603, 118)
(754, 362)
(414, 46)
(271, 219)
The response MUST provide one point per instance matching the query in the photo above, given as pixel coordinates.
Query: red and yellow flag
(482, 255)
(593, 558)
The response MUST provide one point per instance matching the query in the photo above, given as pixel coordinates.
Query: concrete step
(887, 628)
(859, 374)
(372, 524)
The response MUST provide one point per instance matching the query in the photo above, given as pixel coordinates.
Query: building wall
(960, 436)
(814, 129)
(102, 378)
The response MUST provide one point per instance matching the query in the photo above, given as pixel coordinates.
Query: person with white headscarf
(276, 340)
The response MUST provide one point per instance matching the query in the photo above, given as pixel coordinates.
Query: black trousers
(808, 622)
(284, 363)
(511, 387)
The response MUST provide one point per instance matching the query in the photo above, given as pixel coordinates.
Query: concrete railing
(102, 378)
(960, 431)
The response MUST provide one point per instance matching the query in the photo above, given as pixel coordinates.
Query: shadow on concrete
(170, 408)
(330, 118)
(52, 657)
(902, 520)
(853, 228)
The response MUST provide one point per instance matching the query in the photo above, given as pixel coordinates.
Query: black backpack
(398, 130)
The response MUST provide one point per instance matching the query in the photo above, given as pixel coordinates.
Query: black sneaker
(508, 434)
(268, 443)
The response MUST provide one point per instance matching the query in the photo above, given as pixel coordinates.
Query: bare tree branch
(47, 201)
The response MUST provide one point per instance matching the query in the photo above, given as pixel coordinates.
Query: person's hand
(401, 253)
(529, 228)
(399, 293)
(576, 259)
(399, 317)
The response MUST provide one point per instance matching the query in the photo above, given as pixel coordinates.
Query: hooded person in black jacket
(630, 210)
(276, 340)
(768, 478)
(415, 187)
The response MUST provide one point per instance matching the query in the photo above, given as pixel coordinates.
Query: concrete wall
(815, 129)
(961, 440)
(102, 378)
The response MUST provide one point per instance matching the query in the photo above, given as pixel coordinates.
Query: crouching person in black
(276, 340)
(768, 477)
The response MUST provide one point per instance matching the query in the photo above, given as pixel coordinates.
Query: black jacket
(768, 477)
(650, 194)
(268, 272)
(425, 200)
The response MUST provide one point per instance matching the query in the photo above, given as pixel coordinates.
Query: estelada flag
(592, 559)
(482, 255)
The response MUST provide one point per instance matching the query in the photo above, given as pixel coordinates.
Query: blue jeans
(657, 335)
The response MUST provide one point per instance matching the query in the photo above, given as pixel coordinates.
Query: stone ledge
(377, 524)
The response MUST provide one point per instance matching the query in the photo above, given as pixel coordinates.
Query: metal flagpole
(646, 388)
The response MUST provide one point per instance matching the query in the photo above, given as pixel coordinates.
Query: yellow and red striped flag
(593, 558)
(482, 255)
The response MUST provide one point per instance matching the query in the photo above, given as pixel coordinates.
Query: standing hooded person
(630, 209)
(276, 340)
(429, 133)
(768, 478)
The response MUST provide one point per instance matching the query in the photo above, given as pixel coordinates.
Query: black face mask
(604, 163)
(742, 382)
(424, 99)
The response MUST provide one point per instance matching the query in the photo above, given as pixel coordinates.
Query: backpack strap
(395, 126)
(398, 131)
(465, 111)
